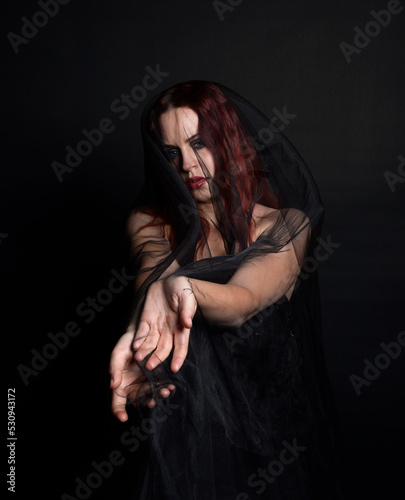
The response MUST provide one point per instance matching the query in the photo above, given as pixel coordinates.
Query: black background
(64, 238)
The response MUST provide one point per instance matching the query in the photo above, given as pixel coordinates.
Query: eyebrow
(189, 140)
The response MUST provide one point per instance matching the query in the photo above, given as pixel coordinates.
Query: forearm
(250, 290)
(254, 286)
(228, 305)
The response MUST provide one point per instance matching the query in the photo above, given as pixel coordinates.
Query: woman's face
(184, 147)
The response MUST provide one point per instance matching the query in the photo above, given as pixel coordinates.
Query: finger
(141, 334)
(151, 403)
(149, 344)
(187, 308)
(181, 340)
(163, 349)
(119, 357)
(166, 391)
(118, 406)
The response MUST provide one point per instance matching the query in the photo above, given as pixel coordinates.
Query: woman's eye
(198, 144)
(172, 153)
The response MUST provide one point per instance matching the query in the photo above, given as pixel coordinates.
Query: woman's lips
(196, 182)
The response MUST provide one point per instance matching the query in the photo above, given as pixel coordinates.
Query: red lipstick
(196, 182)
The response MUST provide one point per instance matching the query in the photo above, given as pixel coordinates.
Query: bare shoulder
(266, 217)
(142, 224)
(261, 211)
(138, 219)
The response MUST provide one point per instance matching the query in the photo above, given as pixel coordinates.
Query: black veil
(244, 395)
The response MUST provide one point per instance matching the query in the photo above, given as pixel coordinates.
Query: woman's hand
(124, 370)
(165, 322)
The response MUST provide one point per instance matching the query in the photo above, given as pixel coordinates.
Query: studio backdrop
(77, 76)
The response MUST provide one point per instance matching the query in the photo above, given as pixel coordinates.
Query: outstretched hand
(125, 373)
(166, 320)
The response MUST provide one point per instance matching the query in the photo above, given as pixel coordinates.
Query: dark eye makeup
(198, 144)
(173, 152)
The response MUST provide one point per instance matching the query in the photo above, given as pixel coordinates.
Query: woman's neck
(209, 213)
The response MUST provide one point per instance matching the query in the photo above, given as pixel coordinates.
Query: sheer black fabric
(251, 415)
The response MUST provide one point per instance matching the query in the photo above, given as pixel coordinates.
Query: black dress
(252, 414)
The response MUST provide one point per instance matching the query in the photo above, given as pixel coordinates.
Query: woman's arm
(260, 281)
(150, 246)
(171, 303)
(255, 285)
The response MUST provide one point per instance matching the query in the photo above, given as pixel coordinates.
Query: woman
(224, 327)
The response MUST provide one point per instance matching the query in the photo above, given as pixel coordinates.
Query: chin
(201, 197)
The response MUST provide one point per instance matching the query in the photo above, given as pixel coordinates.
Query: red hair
(237, 163)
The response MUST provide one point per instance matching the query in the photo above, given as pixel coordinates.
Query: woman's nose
(189, 159)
